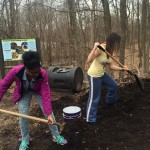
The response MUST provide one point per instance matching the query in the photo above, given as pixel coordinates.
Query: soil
(123, 126)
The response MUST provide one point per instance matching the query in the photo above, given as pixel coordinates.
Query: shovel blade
(139, 82)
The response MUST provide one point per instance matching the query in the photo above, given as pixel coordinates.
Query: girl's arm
(7, 82)
(114, 67)
(93, 54)
(46, 94)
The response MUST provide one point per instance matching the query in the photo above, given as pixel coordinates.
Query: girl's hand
(125, 68)
(50, 119)
(95, 45)
(93, 54)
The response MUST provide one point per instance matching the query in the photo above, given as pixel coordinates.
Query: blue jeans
(23, 106)
(95, 84)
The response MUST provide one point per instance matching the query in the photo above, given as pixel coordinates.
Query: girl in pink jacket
(30, 80)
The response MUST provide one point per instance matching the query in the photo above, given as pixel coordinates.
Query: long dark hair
(113, 42)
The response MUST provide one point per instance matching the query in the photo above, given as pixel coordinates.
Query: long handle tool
(138, 80)
(31, 117)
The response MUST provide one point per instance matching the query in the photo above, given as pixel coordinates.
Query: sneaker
(24, 145)
(59, 139)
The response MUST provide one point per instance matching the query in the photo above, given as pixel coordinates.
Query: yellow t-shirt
(97, 67)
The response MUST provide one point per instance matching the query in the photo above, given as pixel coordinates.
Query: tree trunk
(107, 22)
(138, 28)
(123, 21)
(72, 27)
(12, 30)
(107, 17)
(93, 23)
(143, 37)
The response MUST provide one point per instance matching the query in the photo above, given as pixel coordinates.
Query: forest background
(67, 29)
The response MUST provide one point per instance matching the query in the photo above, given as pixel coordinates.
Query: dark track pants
(95, 85)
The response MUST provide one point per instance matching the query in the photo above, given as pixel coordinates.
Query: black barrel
(69, 78)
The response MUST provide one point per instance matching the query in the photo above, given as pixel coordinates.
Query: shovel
(138, 80)
(31, 117)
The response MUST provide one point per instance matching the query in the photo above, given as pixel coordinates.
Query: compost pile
(125, 125)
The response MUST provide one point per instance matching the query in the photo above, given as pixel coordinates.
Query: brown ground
(123, 126)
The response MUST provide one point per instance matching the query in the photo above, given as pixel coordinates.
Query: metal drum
(69, 78)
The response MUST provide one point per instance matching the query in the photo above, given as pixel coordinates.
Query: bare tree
(107, 17)
(143, 35)
(138, 34)
(123, 21)
(93, 22)
(73, 26)
(68, 29)
(148, 29)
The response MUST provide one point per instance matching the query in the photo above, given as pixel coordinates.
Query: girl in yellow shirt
(97, 77)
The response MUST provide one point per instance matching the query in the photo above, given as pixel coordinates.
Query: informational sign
(14, 48)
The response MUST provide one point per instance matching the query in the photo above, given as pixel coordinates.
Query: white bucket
(71, 112)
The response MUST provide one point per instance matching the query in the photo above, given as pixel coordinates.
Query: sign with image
(14, 48)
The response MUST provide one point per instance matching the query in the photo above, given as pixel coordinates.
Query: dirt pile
(125, 125)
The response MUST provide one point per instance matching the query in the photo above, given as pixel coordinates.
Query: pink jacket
(41, 86)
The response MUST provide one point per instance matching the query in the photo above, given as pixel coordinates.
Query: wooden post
(2, 70)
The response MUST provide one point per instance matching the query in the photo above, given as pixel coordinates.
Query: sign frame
(2, 58)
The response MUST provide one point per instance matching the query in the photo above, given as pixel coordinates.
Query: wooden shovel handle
(27, 116)
(101, 48)
(138, 80)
